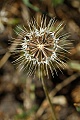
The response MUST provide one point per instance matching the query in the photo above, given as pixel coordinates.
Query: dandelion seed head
(41, 48)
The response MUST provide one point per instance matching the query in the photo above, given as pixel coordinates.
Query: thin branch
(8, 54)
(55, 90)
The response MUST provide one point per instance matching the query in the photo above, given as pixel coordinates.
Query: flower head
(41, 47)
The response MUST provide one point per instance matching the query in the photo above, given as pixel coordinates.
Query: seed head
(41, 48)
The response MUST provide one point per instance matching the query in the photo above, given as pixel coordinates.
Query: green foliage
(78, 108)
(28, 4)
(56, 2)
(24, 114)
(14, 21)
(74, 65)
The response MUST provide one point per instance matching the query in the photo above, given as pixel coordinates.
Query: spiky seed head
(41, 47)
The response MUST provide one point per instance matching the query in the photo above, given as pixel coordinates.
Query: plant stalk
(49, 100)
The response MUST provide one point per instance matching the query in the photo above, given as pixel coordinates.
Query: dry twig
(55, 90)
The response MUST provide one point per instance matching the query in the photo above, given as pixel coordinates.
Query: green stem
(49, 100)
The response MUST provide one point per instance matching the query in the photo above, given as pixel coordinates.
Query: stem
(49, 100)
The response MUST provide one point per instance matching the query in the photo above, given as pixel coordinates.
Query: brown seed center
(40, 46)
